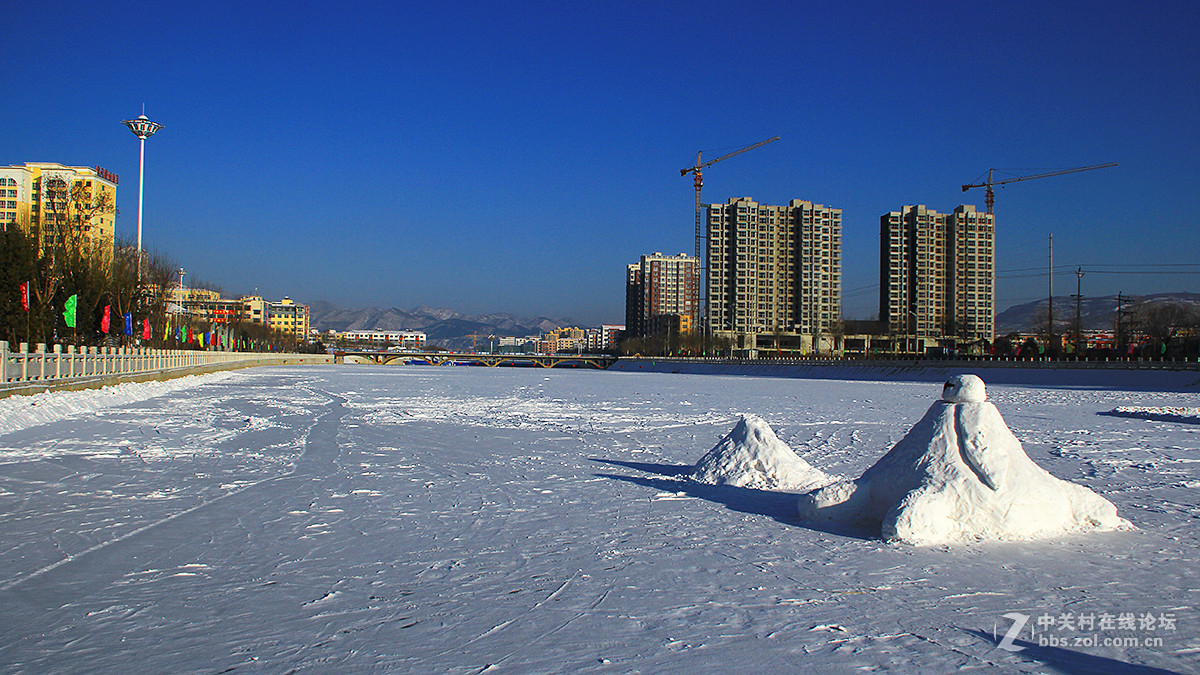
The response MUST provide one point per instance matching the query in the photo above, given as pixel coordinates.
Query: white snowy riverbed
(420, 519)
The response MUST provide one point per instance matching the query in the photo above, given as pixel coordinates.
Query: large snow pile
(961, 475)
(21, 412)
(1158, 413)
(753, 456)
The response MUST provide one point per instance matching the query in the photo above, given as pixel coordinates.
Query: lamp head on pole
(142, 127)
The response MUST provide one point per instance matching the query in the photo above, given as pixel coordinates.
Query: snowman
(960, 475)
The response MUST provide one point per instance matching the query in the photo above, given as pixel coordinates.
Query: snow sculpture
(753, 456)
(960, 475)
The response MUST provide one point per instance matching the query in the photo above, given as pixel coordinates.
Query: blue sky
(516, 156)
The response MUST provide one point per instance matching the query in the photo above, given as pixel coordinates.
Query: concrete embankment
(1134, 376)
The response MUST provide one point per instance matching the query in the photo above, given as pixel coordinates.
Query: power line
(1148, 265)
(859, 292)
(1027, 269)
(1144, 272)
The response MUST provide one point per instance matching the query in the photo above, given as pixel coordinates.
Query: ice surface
(452, 520)
(958, 475)
(751, 455)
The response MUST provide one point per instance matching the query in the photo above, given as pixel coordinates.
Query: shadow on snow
(1070, 661)
(779, 506)
(1152, 416)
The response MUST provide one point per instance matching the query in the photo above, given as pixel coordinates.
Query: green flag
(69, 313)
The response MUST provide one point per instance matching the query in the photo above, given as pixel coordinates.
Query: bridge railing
(38, 365)
(480, 358)
(1190, 363)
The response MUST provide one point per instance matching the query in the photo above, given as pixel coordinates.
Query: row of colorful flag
(105, 319)
(186, 335)
(181, 333)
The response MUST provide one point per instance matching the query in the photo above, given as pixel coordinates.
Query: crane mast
(990, 194)
(698, 182)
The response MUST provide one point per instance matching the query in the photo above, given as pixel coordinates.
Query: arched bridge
(598, 361)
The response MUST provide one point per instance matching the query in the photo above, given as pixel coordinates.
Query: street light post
(179, 298)
(143, 128)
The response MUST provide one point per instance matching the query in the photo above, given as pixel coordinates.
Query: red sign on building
(107, 175)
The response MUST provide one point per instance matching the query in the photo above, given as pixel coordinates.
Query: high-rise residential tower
(660, 285)
(937, 273)
(973, 274)
(774, 268)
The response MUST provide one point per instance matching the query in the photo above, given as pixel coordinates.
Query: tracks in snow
(60, 583)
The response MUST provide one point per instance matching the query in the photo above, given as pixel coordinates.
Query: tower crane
(699, 181)
(475, 340)
(990, 199)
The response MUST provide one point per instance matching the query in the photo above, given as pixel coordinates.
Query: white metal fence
(39, 365)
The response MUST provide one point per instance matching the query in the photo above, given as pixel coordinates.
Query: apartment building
(660, 285)
(289, 318)
(937, 273)
(285, 316)
(73, 206)
(973, 274)
(605, 339)
(773, 268)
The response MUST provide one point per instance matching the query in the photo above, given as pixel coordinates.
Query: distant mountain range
(1094, 314)
(452, 330)
(443, 327)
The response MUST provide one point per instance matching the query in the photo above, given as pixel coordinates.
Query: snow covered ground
(420, 519)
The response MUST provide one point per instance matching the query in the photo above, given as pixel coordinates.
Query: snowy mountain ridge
(1099, 313)
(440, 325)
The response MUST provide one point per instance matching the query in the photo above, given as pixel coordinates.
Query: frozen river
(419, 519)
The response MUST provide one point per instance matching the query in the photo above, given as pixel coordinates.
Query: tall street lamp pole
(143, 128)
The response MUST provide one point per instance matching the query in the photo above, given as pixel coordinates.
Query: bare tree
(1163, 321)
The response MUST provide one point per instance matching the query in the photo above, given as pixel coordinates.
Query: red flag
(104, 319)
(189, 334)
(145, 329)
(25, 296)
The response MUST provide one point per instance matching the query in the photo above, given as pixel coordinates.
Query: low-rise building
(289, 318)
(286, 316)
(405, 339)
(604, 338)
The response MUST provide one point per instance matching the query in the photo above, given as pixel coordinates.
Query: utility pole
(1050, 300)
(1122, 337)
(1078, 308)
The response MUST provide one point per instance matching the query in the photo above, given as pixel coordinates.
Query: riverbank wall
(1122, 375)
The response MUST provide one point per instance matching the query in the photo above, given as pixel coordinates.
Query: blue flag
(128, 323)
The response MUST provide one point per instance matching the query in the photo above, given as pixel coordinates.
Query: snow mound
(960, 475)
(753, 456)
(1158, 413)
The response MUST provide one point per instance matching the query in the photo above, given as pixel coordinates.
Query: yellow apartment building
(289, 318)
(75, 206)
